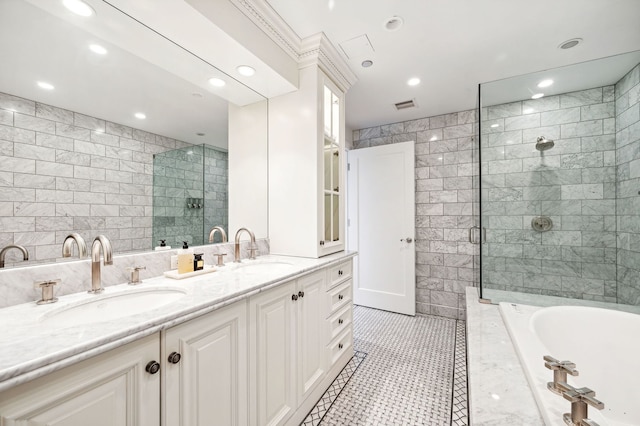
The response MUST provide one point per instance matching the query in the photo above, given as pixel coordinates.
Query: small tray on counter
(176, 276)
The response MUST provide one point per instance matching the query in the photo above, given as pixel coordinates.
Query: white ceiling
(454, 45)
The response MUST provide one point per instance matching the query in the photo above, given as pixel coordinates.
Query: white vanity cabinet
(205, 371)
(111, 389)
(307, 168)
(287, 354)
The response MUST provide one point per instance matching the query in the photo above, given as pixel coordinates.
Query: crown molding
(313, 50)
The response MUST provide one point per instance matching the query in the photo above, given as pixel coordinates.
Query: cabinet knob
(294, 297)
(340, 297)
(174, 357)
(152, 367)
(340, 321)
(301, 293)
(339, 345)
(340, 272)
(321, 243)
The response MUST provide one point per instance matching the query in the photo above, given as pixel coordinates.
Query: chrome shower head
(544, 144)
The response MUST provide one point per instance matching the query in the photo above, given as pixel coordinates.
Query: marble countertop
(499, 393)
(33, 342)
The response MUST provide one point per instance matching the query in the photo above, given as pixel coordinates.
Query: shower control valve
(560, 371)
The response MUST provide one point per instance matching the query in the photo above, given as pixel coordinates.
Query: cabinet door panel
(271, 348)
(209, 384)
(311, 328)
(111, 389)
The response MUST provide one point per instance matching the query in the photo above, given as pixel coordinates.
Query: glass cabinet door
(332, 165)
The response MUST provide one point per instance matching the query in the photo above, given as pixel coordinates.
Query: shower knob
(541, 223)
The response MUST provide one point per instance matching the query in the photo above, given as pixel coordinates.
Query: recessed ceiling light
(78, 7)
(46, 86)
(545, 83)
(217, 82)
(393, 24)
(527, 110)
(433, 138)
(537, 96)
(96, 48)
(495, 125)
(140, 115)
(570, 43)
(246, 70)
(413, 81)
(367, 63)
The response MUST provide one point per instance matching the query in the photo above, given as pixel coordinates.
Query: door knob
(408, 239)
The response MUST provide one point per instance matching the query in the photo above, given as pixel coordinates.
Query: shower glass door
(559, 183)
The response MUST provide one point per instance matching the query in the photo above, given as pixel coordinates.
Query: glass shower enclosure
(190, 195)
(560, 183)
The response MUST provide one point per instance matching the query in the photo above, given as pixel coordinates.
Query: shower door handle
(472, 240)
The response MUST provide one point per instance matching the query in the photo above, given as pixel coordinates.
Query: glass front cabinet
(332, 238)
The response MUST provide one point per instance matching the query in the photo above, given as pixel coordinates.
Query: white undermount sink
(106, 307)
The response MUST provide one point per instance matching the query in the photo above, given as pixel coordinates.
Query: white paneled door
(381, 227)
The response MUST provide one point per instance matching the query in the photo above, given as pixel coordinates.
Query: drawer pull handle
(340, 321)
(339, 345)
(294, 297)
(152, 367)
(301, 293)
(340, 297)
(174, 358)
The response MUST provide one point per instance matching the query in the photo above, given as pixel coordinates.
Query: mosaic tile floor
(406, 371)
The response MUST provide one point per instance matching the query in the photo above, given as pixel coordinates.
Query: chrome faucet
(252, 249)
(99, 242)
(67, 249)
(3, 252)
(223, 234)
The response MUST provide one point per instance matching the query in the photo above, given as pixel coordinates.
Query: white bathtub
(604, 344)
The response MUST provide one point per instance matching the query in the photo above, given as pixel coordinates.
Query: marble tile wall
(574, 183)
(62, 171)
(216, 191)
(628, 195)
(444, 210)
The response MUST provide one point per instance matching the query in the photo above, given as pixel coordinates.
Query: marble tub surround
(499, 393)
(32, 346)
(16, 284)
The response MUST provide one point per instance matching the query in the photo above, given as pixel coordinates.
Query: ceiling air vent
(406, 104)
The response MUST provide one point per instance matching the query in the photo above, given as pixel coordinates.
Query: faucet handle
(47, 290)
(135, 274)
(567, 366)
(585, 395)
(220, 256)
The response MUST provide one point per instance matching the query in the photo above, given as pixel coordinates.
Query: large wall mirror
(107, 127)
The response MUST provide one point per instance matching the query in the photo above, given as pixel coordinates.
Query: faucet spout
(99, 242)
(220, 229)
(3, 252)
(253, 243)
(67, 246)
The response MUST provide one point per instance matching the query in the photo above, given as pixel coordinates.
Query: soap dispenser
(163, 246)
(185, 259)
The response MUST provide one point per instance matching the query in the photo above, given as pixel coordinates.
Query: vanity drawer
(340, 273)
(340, 321)
(340, 346)
(339, 296)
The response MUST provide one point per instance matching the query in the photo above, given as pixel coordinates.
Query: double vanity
(256, 342)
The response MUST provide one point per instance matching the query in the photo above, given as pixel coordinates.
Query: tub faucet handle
(580, 398)
(560, 371)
